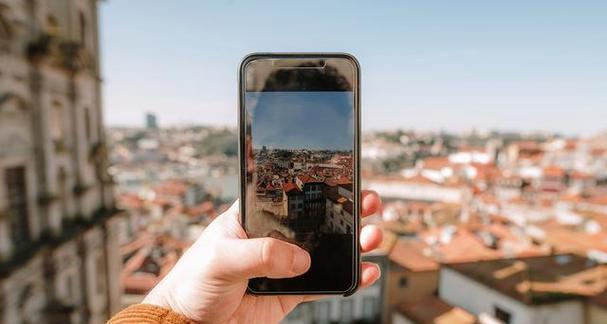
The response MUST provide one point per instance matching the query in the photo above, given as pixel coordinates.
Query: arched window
(5, 34)
(63, 189)
(52, 26)
(83, 31)
(16, 192)
(56, 121)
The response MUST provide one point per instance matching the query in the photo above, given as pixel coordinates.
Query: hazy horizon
(393, 129)
(514, 66)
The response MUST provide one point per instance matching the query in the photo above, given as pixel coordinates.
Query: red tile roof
(409, 255)
(290, 186)
(554, 172)
(172, 188)
(432, 310)
(304, 178)
(435, 163)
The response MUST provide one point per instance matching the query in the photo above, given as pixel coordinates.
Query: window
(402, 282)
(63, 190)
(5, 35)
(56, 121)
(82, 23)
(87, 124)
(69, 289)
(52, 27)
(17, 203)
(100, 265)
(369, 308)
(502, 315)
(346, 311)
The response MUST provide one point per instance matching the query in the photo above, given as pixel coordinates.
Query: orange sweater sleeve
(148, 314)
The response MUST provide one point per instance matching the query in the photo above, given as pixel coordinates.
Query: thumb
(265, 257)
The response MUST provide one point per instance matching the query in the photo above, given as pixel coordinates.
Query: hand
(208, 283)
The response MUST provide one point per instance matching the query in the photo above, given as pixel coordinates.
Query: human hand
(209, 281)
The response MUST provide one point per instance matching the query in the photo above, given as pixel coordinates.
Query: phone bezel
(356, 183)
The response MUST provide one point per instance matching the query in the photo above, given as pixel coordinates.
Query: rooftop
(304, 178)
(539, 280)
(432, 310)
(409, 254)
(290, 187)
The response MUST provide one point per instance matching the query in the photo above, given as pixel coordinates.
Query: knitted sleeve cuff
(148, 314)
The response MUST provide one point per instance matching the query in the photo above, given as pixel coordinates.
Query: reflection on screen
(300, 186)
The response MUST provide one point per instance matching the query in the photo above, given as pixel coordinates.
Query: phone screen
(300, 135)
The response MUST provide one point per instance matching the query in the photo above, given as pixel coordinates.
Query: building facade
(59, 260)
(556, 289)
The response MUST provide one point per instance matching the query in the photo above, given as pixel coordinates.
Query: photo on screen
(302, 151)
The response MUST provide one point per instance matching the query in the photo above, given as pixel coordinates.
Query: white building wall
(416, 191)
(398, 318)
(459, 290)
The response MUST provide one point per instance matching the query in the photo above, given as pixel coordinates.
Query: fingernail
(301, 261)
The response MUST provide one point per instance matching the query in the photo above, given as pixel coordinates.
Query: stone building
(59, 260)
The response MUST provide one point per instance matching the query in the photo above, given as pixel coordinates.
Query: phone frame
(356, 155)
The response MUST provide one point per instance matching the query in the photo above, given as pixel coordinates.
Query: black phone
(299, 146)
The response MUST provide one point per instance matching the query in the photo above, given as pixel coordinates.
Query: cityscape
(480, 226)
(304, 191)
(516, 219)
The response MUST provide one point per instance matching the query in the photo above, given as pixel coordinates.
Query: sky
(426, 65)
(301, 120)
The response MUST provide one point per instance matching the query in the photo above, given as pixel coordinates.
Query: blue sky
(301, 120)
(451, 65)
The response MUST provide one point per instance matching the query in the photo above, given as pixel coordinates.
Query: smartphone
(299, 125)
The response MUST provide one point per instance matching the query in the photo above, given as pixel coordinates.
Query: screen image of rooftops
(302, 150)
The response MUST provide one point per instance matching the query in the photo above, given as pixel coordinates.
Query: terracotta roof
(409, 255)
(432, 310)
(289, 187)
(579, 175)
(599, 200)
(304, 178)
(554, 171)
(463, 246)
(130, 201)
(139, 284)
(172, 187)
(571, 144)
(528, 145)
(146, 266)
(205, 208)
(435, 163)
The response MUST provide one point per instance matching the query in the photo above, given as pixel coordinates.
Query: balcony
(71, 228)
(65, 54)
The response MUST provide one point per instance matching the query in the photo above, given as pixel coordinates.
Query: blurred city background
(484, 132)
